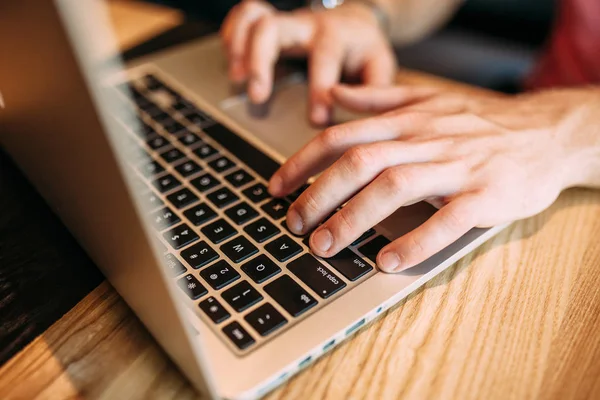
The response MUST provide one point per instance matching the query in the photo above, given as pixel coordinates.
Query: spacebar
(261, 163)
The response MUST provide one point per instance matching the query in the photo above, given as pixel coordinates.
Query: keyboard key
(188, 168)
(221, 164)
(219, 275)
(166, 183)
(239, 249)
(161, 117)
(371, 249)
(276, 208)
(182, 198)
(151, 82)
(180, 236)
(172, 155)
(242, 296)
(189, 138)
(152, 200)
(239, 178)
(173, 127)
(200, 214)
(205, 151)
(218, 231)
(214, 310)
(261, 268)
(157, 142)
(262, 230)
(256, 193)
(205, 182)
(283, 248)
(364, 237)
(190, 285)
(164, 218)
(150, 169)
(222, 197)
(265, 319)
(290, 295)
(197, 118)
(199, 255)
(183, 105)
(349, 264)
(238, 335)
(173, 265)
(241, 213)
(316, 276)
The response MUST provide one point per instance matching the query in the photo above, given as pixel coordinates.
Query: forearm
(411, 20)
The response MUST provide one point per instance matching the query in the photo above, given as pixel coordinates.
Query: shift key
(316, 276)
(349, 264)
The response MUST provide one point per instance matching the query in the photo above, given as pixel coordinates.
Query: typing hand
(346, 40)
(484, 160)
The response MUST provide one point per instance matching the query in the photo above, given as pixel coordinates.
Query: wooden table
(519, 318)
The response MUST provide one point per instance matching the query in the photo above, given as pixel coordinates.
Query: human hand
(345, 40)
(485, 160)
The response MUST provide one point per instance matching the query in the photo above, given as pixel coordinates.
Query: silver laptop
(160, 173)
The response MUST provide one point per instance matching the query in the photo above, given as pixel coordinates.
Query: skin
(484, 160)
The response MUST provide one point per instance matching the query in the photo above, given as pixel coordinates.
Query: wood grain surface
(517, 319)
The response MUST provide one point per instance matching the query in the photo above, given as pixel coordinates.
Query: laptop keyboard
(227, 245)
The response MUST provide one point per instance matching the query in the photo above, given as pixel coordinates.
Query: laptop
(160, 172)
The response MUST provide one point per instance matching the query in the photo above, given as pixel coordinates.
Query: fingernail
(294, 222)
(322, 240)
(319, 115)
(389, 261)
(275, 185)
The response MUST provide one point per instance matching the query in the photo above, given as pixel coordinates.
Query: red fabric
(573, 54)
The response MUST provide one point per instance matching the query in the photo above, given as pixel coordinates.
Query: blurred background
(489, 43)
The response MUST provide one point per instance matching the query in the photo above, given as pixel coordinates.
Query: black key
(238, 335)
(199, 255)
(221, 164)
(239, 249)
(215, 311)
(161, 117)
(164, 218)
(283, 248)
(222, 197)
(276, 208)
(197, 118)
(256, 193)
(205, 182)
(174, 265)
(351, 265)
(173, 127)
(200, 214)
(364, 237)
(183, 105)
(189, 139)
(182, 198)
(152, 83)
(172, 155)
(188, 168)
(261, 268)
(294, 196)
(205, 151)
(218, 231)
(371, 249)
(157, 142)
(152, 200)
(265, 319)
(150, 169)
(239, 178)
(219, 274)
(261, 230)
(290, 295)
(242, 296)
(316, 276)
(180, 236)
(241, 213)
(190, 285)
(166, 183)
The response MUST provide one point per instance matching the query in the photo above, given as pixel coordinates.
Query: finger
(445, 227)
(264, 51)
(241, 24)
(394, 188)
(372, 99)
(325, 70)
(327, 147)
(380, 70)
(355, 169)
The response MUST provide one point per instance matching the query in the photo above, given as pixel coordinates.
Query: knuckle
(308, 203)
(412, 248)
(344, 222)
(358, 157)
(397, 179)
(455, 220)
(331, 137)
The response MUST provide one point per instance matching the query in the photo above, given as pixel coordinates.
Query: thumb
(371, 99)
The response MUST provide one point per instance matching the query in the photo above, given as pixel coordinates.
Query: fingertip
(320, 115)
(259, 91)
(275, 186)
(389, 261)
